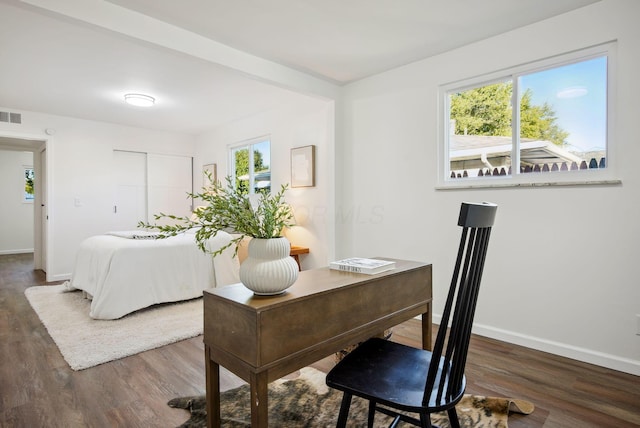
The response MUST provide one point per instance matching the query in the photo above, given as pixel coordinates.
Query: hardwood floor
(38, 389)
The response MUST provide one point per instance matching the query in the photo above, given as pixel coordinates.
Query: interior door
(44, 213)
(170, 179)
(130, 178)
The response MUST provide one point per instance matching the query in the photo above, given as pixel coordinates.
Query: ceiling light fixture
(139, 100)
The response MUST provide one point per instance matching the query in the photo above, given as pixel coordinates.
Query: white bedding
(124, 275)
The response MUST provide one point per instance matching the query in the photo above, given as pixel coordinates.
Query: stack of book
(360, 265)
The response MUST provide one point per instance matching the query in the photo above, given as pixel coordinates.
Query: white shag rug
(85, 342)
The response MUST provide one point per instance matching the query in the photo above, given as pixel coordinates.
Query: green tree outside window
(28, 184)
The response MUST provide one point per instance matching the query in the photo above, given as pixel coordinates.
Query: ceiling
(55, 60)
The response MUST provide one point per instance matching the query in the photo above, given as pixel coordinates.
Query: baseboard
(61, 277)
(23, 251)
(568, 351)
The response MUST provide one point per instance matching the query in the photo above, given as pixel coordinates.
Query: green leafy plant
(227, 209)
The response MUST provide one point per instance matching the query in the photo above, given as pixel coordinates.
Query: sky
(578, 94)
(265, 148)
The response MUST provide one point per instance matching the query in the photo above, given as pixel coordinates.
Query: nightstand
(295, 253)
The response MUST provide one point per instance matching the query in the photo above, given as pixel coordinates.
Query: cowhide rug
(307, 402)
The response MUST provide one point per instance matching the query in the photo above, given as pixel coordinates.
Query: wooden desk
(262, 339)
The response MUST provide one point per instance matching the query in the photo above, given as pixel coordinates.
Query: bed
(124, 272)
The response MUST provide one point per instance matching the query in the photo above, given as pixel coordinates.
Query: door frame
(42, 223)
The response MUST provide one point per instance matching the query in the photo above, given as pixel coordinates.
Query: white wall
(16, 216)
(81, 191)
(560, 274)
(300, 125)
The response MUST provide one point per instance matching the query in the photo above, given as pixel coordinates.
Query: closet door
(170, 179)
(130, 178)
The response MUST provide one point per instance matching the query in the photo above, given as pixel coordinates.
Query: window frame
(580, 177)
(248, 144)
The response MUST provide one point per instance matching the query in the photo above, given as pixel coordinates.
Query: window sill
(477, 185)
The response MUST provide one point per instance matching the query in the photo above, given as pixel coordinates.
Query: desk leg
(259, 400)
(213, 390)
(427, 342)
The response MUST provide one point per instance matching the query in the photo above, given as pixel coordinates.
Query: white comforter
(124, 275)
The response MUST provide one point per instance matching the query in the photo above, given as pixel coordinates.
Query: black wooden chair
(395, 377)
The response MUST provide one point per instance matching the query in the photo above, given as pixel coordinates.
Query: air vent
(5, 116)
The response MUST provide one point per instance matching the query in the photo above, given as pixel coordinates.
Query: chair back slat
(446, 372)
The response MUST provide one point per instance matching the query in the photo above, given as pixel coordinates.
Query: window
(28, 184)
(540, 123)
(250, 166)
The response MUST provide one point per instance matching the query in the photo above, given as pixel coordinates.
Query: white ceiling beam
(142, 27)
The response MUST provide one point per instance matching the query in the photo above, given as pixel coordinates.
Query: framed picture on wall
(210, 169)
(303, 166)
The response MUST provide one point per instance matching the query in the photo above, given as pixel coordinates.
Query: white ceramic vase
(268, 268)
